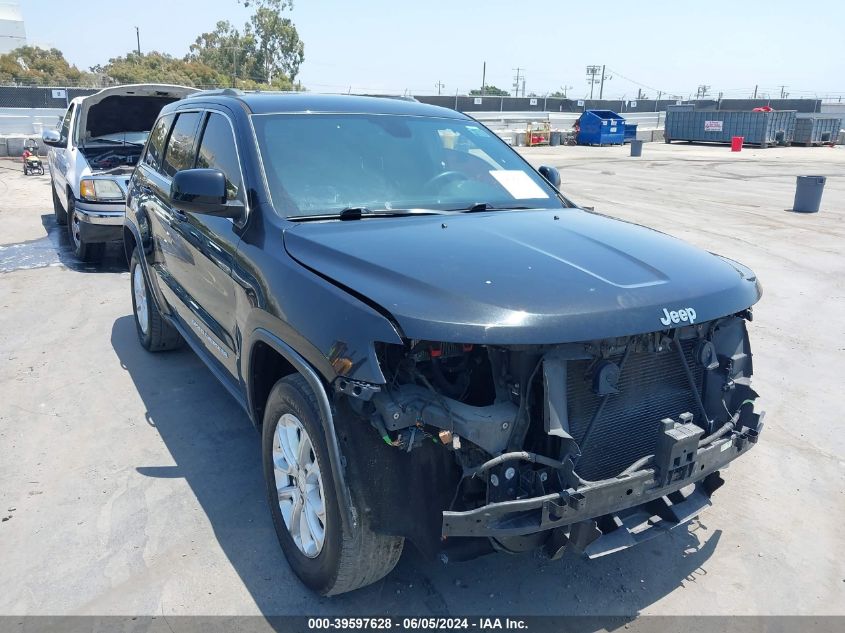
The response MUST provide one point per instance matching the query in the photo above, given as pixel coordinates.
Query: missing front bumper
(607, 498)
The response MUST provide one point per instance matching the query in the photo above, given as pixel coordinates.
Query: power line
(637, 83)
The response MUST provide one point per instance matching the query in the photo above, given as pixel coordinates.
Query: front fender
(326, 412)
(333, 330)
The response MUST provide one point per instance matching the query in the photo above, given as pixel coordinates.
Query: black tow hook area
(676, 449)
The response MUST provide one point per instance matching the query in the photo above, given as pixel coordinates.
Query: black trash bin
(636, 148)
(808, 193)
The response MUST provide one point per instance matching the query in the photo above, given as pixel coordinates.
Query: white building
(12, 31)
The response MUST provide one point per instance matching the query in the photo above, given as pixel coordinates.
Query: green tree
(39, 66)
(155, 67)
(228, 51)
(490, 91)
(265, 53)
(279, 49)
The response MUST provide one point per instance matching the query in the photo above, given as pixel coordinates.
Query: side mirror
(203, 191)
(52, 138)
(551, 174)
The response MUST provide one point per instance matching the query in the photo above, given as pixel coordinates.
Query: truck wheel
(328, 557)
(85, 251)
(154, 333)
(58, 209)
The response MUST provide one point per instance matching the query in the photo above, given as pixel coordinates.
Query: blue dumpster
(601, 127)
(630, 132)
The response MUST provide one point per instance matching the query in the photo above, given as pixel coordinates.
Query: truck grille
(652, 386)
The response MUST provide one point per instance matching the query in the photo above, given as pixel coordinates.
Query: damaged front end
(595, 445)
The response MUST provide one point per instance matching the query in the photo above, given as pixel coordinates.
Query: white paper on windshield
(518, 184)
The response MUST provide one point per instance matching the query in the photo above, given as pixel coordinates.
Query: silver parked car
(93, 152)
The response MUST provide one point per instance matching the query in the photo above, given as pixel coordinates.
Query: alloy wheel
(75, 229)
(299, 485)
(139, 289)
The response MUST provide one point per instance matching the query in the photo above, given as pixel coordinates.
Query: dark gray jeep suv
(436, 344)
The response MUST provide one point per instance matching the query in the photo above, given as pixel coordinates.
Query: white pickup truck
(93, 152)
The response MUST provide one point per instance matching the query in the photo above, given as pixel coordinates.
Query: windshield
(320, 164)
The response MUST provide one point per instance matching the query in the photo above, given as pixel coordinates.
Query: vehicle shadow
(113, 260)
(54, 249)
(216, 450)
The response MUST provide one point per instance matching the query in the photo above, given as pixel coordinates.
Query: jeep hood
(523, 276)
(132, 108)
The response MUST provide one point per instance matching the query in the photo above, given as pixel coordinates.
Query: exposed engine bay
(117, 159)
(558, 445)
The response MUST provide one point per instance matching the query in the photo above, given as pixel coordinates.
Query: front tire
(328, 557)
(58, 209)
(154, 333)
(86, 251)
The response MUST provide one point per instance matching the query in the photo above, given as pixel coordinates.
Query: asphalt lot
(130, 483)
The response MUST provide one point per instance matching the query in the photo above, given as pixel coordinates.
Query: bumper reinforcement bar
(671, 471)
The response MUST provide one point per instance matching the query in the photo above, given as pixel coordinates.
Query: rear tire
(154, 333)
(86, 251)
(58, 209)
(331, 558)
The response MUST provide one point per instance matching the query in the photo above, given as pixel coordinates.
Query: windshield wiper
(356, 213)
(483, 206)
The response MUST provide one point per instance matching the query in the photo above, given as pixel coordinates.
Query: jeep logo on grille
(685, 315)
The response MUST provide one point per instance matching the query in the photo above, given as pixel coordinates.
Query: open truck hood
(131, 108)
(513, 277)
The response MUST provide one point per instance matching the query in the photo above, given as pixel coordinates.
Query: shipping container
(816, 129)
(601, 127)
(757, 128)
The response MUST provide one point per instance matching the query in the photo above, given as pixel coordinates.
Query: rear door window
(180, 148)
(155, 145)
(218, 151)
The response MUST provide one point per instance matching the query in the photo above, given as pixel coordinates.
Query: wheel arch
(129, 243)
(284, 360)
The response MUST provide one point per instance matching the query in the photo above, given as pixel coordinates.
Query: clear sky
(395, 45)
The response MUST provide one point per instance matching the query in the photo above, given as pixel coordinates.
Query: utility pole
(138, 39)
(783, 95)
(483, 78)
(601, 87)
(516, 81)
(755, 92)
(592, 71)
(440, 85)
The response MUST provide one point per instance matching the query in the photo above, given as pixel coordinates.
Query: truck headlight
(91, 189)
